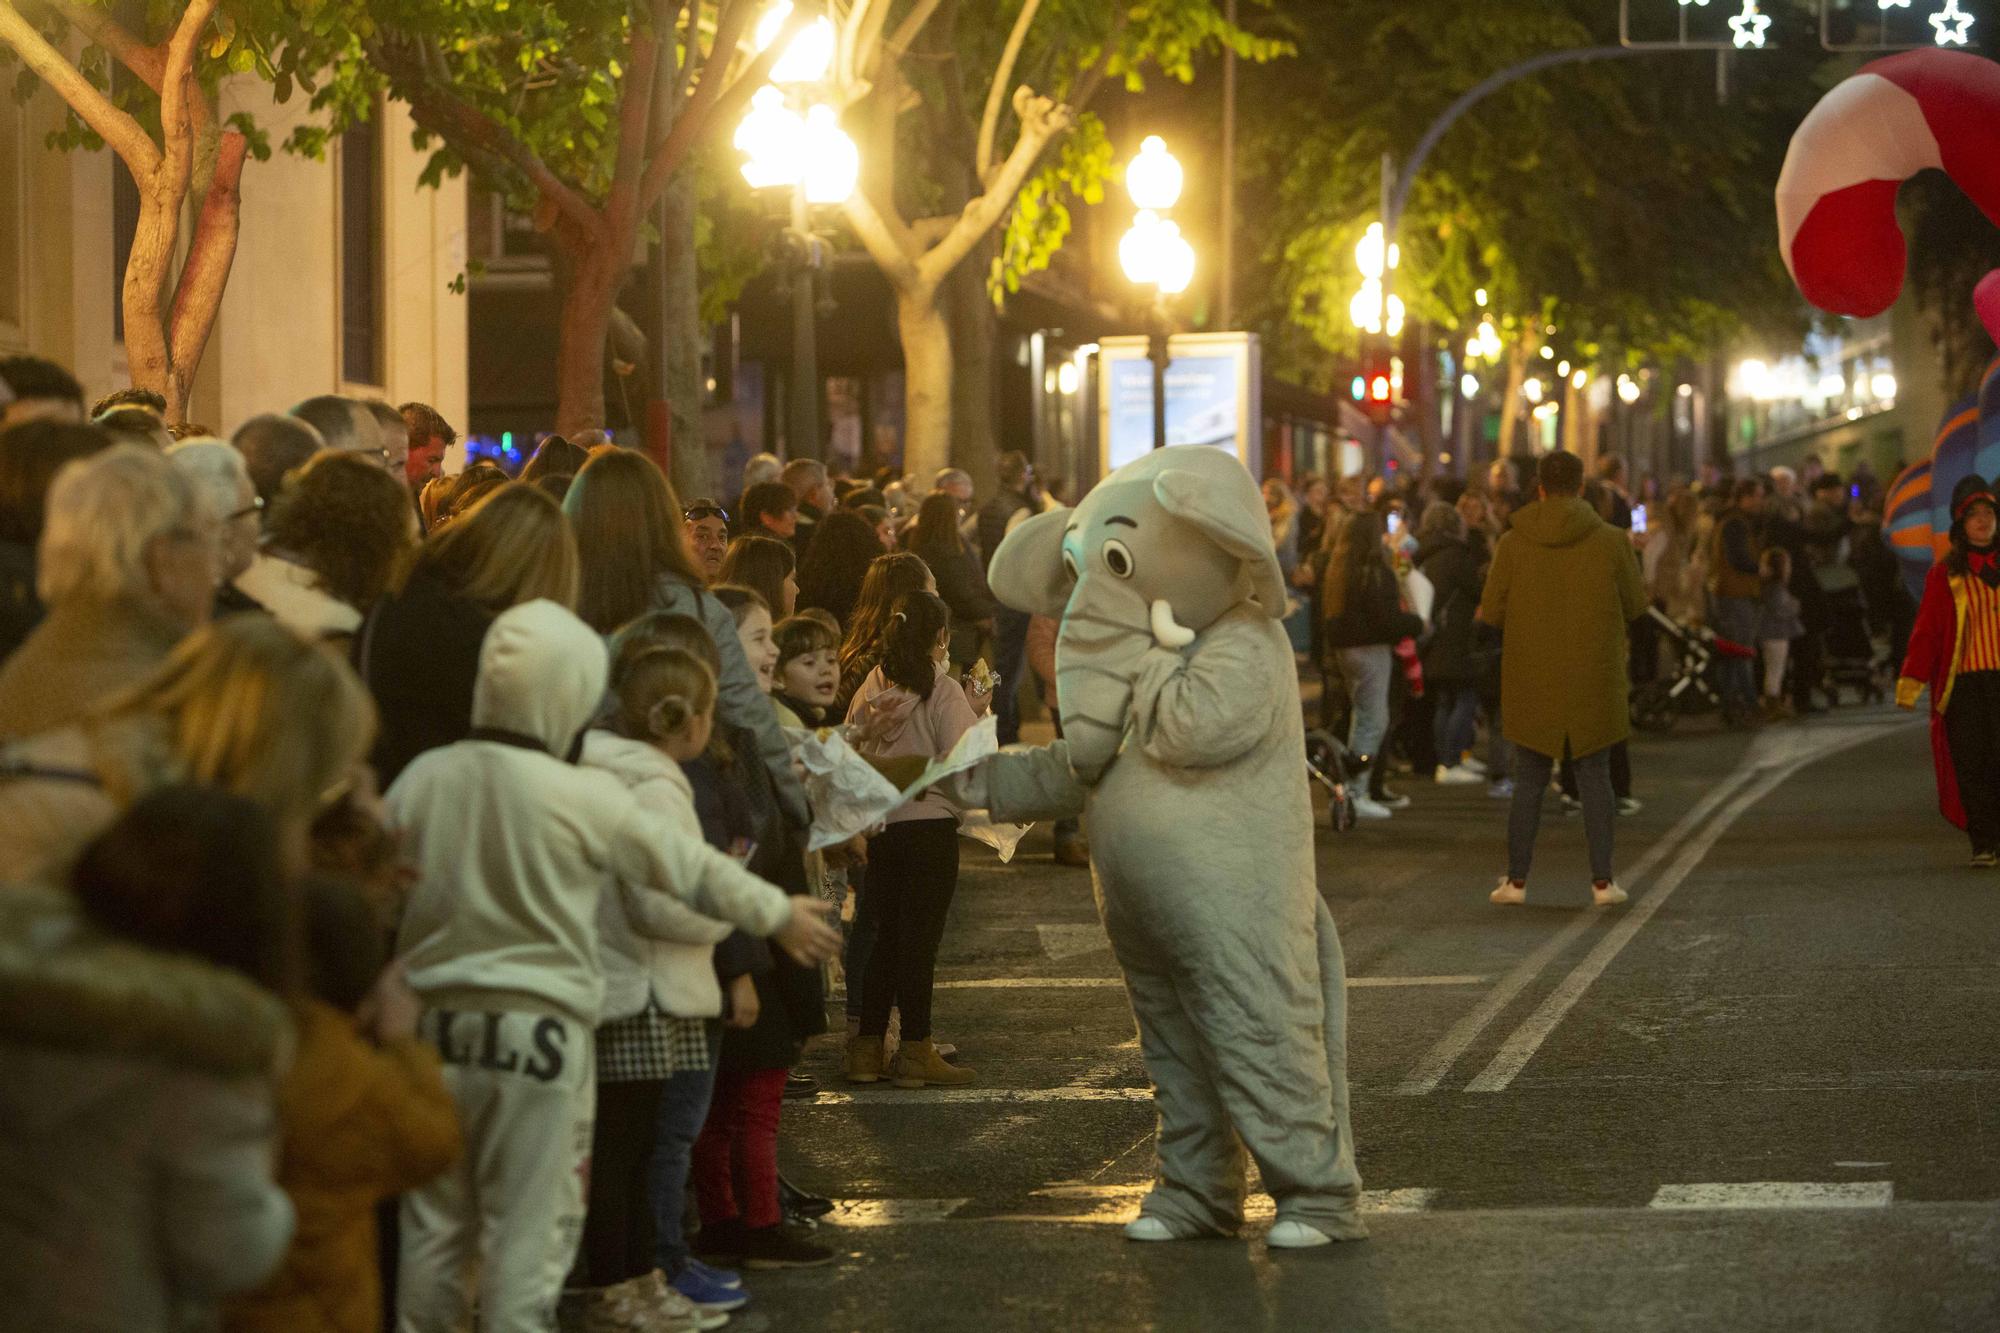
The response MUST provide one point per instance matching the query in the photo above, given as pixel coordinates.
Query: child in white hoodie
(514, 846)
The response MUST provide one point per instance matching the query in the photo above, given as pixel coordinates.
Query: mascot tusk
(1168, 632)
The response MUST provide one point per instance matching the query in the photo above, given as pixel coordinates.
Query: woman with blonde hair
(632, 542)
(243, 705)
(418, 650)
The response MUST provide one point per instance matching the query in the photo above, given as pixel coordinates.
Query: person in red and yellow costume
(1955, 652)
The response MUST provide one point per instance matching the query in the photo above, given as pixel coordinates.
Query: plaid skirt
(649, 1046)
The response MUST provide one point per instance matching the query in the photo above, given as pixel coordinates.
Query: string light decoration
(1957, 20)
(1749, 27)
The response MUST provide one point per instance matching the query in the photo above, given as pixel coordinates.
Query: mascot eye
(1118, 559)
(1069, 566)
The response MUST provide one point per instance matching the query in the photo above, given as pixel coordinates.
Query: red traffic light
(1378, 382)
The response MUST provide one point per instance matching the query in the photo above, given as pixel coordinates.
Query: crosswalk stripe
(1109, 983)
(1777, 1194)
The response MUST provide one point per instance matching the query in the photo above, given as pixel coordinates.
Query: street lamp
(1154, 254)
(791, 142)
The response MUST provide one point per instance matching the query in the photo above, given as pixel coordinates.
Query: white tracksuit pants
(509, 1215)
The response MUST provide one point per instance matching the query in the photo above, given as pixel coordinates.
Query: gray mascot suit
(1185, 743)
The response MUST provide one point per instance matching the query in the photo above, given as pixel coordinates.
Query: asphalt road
(1763, 1095)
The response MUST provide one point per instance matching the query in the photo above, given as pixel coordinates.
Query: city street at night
(1761, 1097)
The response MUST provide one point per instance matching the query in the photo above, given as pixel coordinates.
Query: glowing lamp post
(789, 142)
(1154, 254)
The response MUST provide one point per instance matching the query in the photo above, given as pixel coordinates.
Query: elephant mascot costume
(1185, 743)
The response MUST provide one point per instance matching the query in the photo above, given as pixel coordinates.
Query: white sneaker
(1457, 776)
(1476, 765)
(1366, 807)
(1628, 805)
(1290, 1235)
(1509, 894)
(1608, 896)
(1147, 1228)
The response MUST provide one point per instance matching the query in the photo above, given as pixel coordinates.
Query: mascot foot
(1294, 1236)
(1146, 1227)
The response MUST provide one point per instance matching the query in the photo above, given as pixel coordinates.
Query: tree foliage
(1617, 199)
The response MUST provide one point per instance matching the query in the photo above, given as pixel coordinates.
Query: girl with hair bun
(662, 1002)
(908, 707)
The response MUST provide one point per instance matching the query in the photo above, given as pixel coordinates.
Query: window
(12, 221)
(359, 163)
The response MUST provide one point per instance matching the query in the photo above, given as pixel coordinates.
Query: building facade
(343, 281)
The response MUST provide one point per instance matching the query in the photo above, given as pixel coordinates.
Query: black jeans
(618, 1224)
(1010, 659)
(1972, 728)
(912, 874)
(1621, 772)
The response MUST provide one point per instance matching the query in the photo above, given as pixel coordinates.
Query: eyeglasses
(256, 506)
(697, 513)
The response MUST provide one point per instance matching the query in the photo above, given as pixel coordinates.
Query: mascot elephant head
(1155, 554)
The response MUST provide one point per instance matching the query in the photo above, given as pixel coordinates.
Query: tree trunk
(147, 353)
(927, 381)
(1510, 399)
(585, 323)
(974, 406)
(681, 357)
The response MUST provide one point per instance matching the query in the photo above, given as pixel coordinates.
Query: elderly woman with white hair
(222, 478)
(126, 567)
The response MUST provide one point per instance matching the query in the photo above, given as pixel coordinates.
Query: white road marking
(1769, 767)
(1111, 983)
(891, 1212)
(1856, 1166)
(1778, 1194)
(978, 1096)
(1437, 1062)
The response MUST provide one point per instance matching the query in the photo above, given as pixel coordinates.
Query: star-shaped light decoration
(1892, 4)
(1704, 3)
(1751, 24)
(1952, 25)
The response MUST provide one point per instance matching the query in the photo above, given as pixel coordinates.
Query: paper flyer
(850, 797)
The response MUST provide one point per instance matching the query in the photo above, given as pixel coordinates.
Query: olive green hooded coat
(1563, 587)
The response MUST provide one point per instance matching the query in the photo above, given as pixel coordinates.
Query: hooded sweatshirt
(889, 722)
(654, 946)
(137, 1134)
(1563, 588)
(514, 847)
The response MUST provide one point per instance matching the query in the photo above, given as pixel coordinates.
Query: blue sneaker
(1501, 789)
(707, 1294)
(720, 1276)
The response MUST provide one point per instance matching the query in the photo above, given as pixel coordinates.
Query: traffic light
(1378, 389)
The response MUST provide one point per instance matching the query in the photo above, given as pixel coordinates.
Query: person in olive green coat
(1563, 587)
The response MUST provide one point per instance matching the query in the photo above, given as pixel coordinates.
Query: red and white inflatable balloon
(1837, 195)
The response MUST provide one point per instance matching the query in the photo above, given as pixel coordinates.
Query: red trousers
(736, 1157)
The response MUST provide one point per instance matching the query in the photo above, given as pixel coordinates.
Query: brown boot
(918, 1064)
(864, 1059)
(1072, 851)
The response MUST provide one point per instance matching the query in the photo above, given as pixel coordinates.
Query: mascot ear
(1233, 517)
(1027, 573)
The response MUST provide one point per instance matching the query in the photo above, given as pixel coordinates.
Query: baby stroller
(1330, 765)
(1850, 649)
(1691, 682)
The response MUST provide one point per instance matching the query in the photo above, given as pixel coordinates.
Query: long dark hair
(629, 535)
(761, 564)
(909, 643)
(935, 536)
(555, 456)
(1357, 557)
(836, 563)
(889, 577)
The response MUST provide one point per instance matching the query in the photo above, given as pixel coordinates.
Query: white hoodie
(513, 846)
(654, 945)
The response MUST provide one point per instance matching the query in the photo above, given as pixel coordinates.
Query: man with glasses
(708, 534)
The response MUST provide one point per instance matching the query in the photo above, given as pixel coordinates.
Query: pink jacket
(888, 722)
